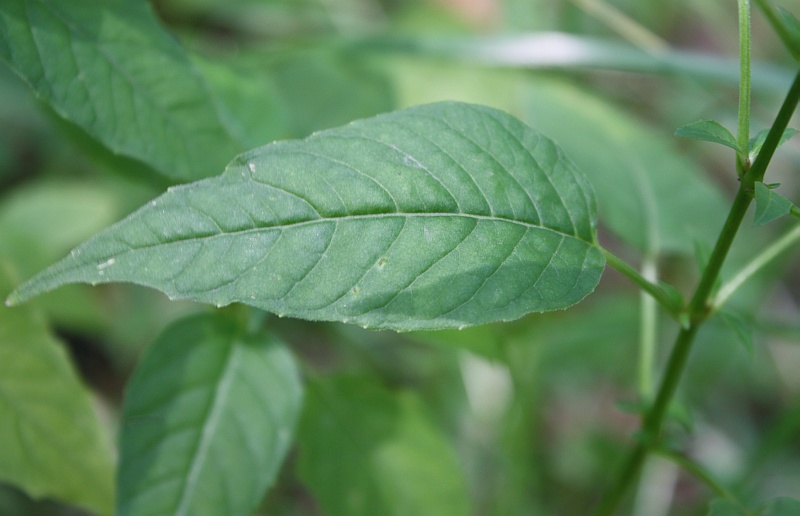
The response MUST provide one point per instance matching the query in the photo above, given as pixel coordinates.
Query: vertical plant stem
(699, 309)
(743, 132)
(647, 334)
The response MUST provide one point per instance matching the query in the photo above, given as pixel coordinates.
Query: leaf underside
(439, 216)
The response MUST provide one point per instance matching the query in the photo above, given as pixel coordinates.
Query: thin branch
(659, 294)
(755, 265)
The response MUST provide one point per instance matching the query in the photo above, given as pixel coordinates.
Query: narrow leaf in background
(364, 450)
(109, 67)
(640, 180)
(439, 216)
(53, 444)
(207, 421)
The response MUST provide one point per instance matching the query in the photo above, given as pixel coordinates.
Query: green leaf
(783, 506)
(440, 216)
(758, 141)
(639, 178)
(109, 67)
(53, 443)
(324, 88)
(769, 205)
(709, 131)
(207, 421)
(741, 328)
(364, 451)
(789, 30)
(722, 507)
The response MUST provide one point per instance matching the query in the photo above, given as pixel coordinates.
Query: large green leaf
(52, 442)
(649, 193)
(207, 421)
(445, 215)
(364, 450)
(110, 68)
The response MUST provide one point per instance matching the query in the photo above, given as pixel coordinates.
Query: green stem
(658, 293)
(755, 265)
(743, 134)
(698, 309)
(647, 334)
(698, 472)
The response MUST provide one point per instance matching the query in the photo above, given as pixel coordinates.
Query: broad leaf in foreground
(438, 216)
(207, 421)
(53, 444)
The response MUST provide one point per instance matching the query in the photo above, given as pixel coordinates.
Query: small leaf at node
(770, 205)
(709, 131)
(758, 141)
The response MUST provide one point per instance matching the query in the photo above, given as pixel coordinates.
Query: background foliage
(522, 418)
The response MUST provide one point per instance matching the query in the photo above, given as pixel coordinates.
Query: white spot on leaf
(107, 263)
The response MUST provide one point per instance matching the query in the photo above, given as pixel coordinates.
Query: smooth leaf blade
(439, 216)
(53, 443)
(110, 68)
(709, 131)
(207, 421)
(770, 205)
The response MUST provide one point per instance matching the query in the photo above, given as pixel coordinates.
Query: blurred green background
(535, 414)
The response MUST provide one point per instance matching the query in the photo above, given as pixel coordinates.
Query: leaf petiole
(670, 303)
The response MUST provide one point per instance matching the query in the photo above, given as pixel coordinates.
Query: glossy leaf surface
(444, 215)
(52, 442)
(207, 421)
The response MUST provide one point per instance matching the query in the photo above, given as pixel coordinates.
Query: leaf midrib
(346, 218)
(45, 283)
